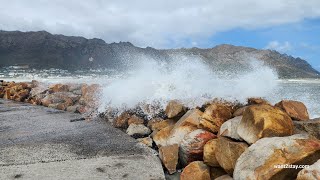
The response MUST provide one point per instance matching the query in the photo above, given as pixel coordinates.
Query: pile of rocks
(224, 140)
(78, 98)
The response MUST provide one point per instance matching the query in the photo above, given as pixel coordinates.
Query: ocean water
(189, 80)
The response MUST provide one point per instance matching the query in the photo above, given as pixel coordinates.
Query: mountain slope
(44, 50)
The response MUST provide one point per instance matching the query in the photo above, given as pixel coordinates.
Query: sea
(192, 82)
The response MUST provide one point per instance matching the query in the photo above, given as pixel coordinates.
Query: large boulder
(265, 158)
(191, 147)
(230, 128)
(196, 170)
(175, 109)
(295, 109)
(239, 112)
(214, 116)
(158, 124)
(161, 137)
(138, 130)
(311, 172)
(228, 152)
(169, 157)
(311, 127)
(261, 121)
(209, 153)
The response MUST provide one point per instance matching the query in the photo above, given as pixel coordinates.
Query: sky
(288, 26)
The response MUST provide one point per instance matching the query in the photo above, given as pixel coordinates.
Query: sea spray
(186, 78)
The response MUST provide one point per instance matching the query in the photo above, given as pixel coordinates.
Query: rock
(146, 141)
(254, 101)
(191, 147)
(227, 153)
(161, 137)
(261, 121)
(138, 130)
(90, 94)
(59, 88)
(73, 109)
(311, 127)
(295, 109)
(229, 128)
(153, 121)
(224, 177)
(135, 120)
(122, 120)
(157, 126)
(196, 170)
(239, 112)
(310, 173)
(174, 109)
(261, 160)
(191, 118)
(214, 116)
(209, 153)
(169, 157)
(216, 172)
(177, 134)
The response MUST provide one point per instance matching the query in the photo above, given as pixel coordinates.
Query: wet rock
(196, 170)
(161, 137)
(169, 157)
(191, 147)
(214, 116)
(135, 120)
(260, 121)
(228, 152)
(311, 127)
(216, 172)
(209, 153)
(146, 141)
(255, 101)
(175, 109)
(295, 109)
(138, 130)
(261, 160)
(224, 177)
(122, 120)
(310, 173)
(157, 126)
(229, 128)
(90, 95)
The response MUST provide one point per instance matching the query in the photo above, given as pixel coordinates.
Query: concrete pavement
(42, 143)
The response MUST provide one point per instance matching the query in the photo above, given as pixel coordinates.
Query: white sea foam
(188, 79)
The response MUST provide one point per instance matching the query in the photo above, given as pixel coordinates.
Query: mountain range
(42, 50)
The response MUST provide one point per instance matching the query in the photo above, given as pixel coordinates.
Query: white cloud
(281, 47)
(158, 23)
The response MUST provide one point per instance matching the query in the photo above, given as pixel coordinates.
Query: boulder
(122, 120)
(157, 126)
(311, 127)
(178, 133)
(146, 141)
(192, 117)
(209, 153)
(255, 100)
(138, 130)
(59, 88)
(295, 109)
(135, 120)
(191, 147)
(229, 128)
(214, 116)
(153, 121)
(175, 109)
(261, 121)
(311, 172)
(196, 170)
(169, 157)
(265, 158)
(239, 112)
(161, 137)
(216, 172)
(228, 152)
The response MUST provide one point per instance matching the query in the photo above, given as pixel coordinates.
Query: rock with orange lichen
(209, 153)
(191, 147)
(175, 109)
(295, 109)
(169, 157)
(261, 121)
(196, 170)
(265, 158)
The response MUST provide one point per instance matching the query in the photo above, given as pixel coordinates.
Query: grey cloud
(158, 23)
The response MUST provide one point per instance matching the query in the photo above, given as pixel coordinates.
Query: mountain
(43, 50)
